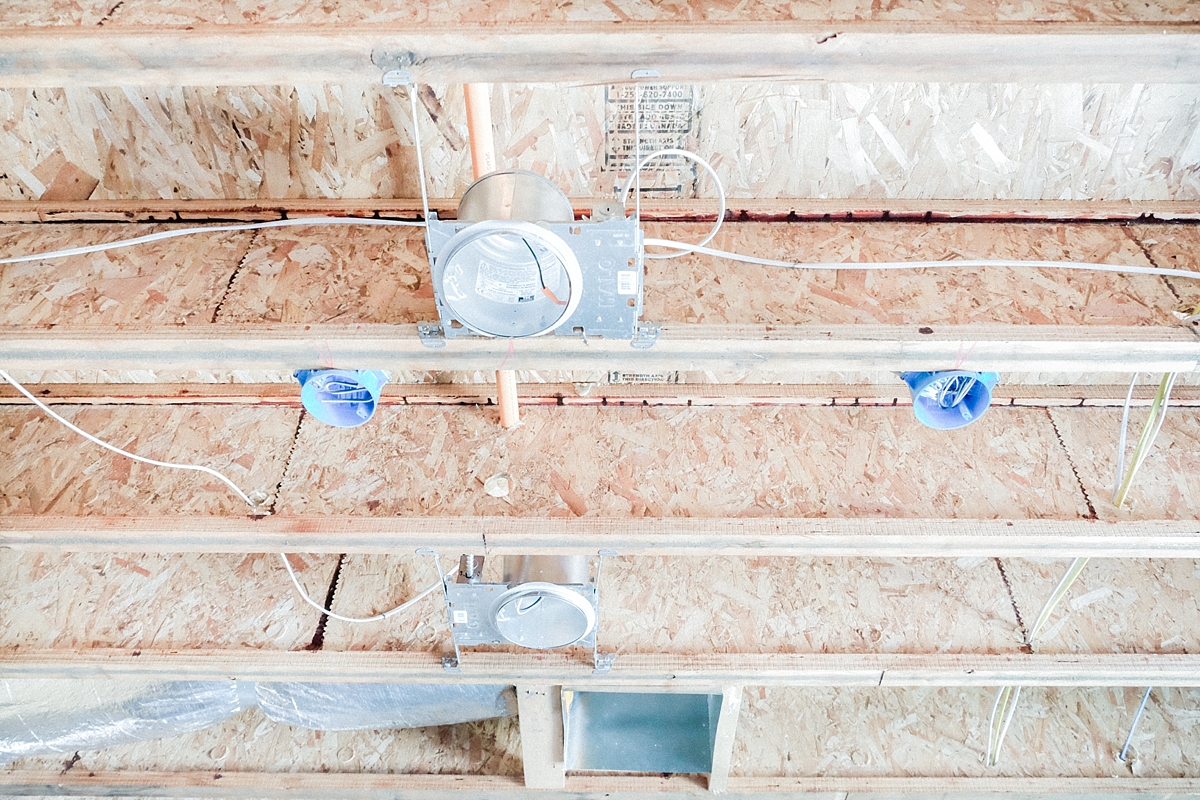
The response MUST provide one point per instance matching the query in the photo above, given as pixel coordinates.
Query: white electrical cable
(171, 234)
(378, 617)
(955, 263)
(412, 97)
(196, 467)
(168, 464)
(682, 248)
(673, 151)
(1124, 433)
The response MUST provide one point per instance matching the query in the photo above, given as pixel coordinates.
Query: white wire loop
(154, 462)
(672, 151)
(356, 620)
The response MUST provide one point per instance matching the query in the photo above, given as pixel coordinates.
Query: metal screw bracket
(602, 664)
(432, 335)
(645, 336)
(602, 212)
(398, 77)
(449, 663)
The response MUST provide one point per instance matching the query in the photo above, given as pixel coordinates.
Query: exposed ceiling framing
(850, 584)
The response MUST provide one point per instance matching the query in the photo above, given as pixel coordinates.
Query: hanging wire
(1003, 711)
(1133, 726)
(1068, 579)
(412, 98)
(955, 263)
(254, 502)
(623, 195)
(1154, 423)
(356, 620)
(1005, 706)
(1124, 432)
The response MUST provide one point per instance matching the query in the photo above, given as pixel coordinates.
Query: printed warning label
(666, 119)
(626, 282)
(506, 284)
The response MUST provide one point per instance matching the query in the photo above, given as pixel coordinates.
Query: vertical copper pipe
(479, 128)
(483, 161)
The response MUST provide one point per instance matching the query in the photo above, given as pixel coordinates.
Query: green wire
(1149, 433)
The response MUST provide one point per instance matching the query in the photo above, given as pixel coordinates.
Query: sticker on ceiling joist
(643, 377)
(668, 114)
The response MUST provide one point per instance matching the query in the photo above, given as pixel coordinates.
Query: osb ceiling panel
(294, 12)
(766, 140)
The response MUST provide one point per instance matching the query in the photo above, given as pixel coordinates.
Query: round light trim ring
(524, 230)
(556, 617)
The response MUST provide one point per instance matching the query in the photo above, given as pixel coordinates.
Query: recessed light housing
(516, 263)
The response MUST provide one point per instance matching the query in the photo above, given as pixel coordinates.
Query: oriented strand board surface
(765, 139)
(333, 274)
(1126, 605)
(174, 13)
(49, 469)
(694, 288)
(943, 732)
(156, 601)
(1168, 484)
(698, 606)
(171, 282)
(250, 742)
(622, 462)
(693, 606)
(1175, 247)
(374, 274)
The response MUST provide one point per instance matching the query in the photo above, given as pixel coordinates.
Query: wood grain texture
(807, 348)
(970, 538)
(600, 52)
(835, 147)
(699, 671)
(435, 787)
(1070, 732)
(173, 13)
(748, 208)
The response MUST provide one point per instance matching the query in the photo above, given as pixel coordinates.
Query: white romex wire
(237, 490)
(171, 234)
(168, 464)
(672, 151)
(378, 617)
(954, 262)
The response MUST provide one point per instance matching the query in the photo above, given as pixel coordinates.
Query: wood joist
(729, 516)
(587, 51)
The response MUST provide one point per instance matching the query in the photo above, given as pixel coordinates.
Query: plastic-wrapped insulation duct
(42, 717)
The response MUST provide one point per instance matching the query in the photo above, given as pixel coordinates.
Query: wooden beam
(739, 208)
(597, 52)
(539, 712)
(724, 739)
(892, 393)
(751, 536)
(371, 786)
(708, 672)
(832, 348)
